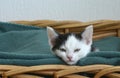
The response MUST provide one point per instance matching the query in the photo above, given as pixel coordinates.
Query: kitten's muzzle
(69, 58)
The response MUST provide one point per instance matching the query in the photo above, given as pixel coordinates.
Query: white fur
(73, 43)
(70, 45)
(51, 36)
(87, 34)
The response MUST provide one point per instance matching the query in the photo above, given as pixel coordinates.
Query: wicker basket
(102, 28)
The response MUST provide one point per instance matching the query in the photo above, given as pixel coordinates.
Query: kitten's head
(70, 47)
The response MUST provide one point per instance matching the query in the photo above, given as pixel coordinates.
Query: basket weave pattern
(102, 28)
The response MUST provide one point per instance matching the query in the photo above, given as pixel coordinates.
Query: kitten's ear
(87, 34)
(51, 36)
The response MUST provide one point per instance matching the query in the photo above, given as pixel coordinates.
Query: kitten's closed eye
(77, 50)
(62, 49)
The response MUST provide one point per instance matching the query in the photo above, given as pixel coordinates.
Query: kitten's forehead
(72, 42)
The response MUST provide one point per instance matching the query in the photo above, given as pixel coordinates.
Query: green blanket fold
(103, 57)
(28, 45)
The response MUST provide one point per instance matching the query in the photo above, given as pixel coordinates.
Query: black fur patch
(61, 39)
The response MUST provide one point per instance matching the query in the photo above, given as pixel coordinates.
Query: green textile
(103, 57)
(28, 45)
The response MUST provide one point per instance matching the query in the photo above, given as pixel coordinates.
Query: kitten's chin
(71, 62)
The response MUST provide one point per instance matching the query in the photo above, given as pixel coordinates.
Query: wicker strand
(76, 26)
(62, 70)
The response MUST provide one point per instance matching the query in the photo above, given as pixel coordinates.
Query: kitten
(70, 47)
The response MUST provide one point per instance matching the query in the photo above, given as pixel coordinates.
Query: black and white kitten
(70, 47)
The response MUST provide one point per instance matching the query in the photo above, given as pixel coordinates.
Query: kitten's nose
(69, 57)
